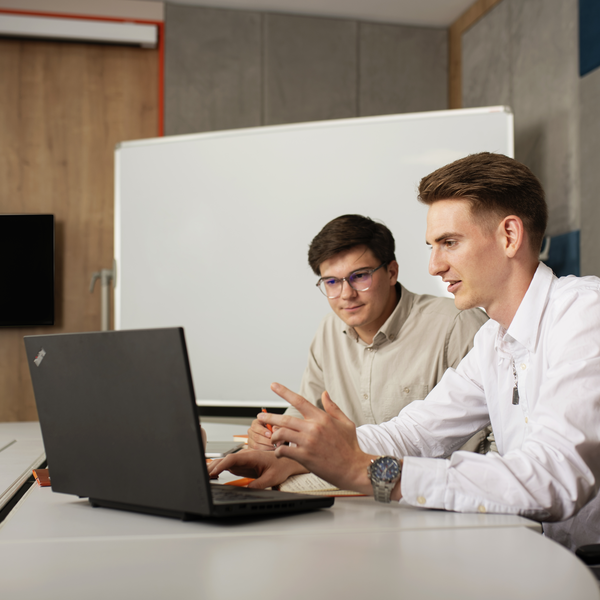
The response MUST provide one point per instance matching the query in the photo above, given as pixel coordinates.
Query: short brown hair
(346, 232)
(495, 185)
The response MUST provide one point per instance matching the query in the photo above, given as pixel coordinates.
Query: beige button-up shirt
(372, 383)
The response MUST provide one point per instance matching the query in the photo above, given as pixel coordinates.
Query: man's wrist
(361, 475)
(397, 491)
(293, 467)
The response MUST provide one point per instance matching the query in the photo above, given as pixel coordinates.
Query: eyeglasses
(359, 280)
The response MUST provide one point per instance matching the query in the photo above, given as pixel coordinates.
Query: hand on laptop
(266, 468)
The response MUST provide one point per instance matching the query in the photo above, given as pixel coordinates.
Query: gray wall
(524, 53)
(226, 69)
(213, 69)
(589, 90)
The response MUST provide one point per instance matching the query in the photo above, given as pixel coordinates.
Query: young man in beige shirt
(382, 347)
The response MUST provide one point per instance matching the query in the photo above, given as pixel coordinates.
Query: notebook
(119, 422)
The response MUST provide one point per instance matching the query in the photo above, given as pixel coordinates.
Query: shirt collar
(391, 328)
(526, 323)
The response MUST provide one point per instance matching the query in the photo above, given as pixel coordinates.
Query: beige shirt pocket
(394, 398)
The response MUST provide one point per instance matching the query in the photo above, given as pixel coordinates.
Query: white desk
(57, 546)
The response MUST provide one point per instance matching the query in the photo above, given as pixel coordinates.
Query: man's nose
(347, 290)
(436, 264)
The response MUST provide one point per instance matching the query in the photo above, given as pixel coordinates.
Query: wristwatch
(384, 473)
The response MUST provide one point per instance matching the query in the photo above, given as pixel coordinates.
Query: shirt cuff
(424, 481)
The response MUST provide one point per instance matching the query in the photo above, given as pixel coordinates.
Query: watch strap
(382, 491)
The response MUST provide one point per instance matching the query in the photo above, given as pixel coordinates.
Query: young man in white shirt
(534, 373)
(382, 346)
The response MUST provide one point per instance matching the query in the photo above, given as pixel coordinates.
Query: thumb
(333, 410)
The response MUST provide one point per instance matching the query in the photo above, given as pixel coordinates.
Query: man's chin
(463, 303)
(353, 321)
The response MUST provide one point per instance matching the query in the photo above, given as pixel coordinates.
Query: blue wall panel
(589, 36)
(563, 258)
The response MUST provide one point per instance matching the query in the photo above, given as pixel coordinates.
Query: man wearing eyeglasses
(382, 346)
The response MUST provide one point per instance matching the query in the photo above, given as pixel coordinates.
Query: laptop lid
(118, 416)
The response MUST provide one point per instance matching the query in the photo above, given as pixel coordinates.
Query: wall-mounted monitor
(27, 258)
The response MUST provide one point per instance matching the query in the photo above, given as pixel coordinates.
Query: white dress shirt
(548, 461)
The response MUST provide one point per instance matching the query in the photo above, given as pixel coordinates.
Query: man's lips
(353, 308)
(453, 285)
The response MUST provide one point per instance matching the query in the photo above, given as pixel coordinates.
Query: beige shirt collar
(391, 328)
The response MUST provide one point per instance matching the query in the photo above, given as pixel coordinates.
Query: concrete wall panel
(310, 69)
(212, 69)
(590, 172)
(402, 69)
(524, 53)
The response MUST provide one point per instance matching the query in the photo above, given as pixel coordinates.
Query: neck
(368, 332)
(504, 308)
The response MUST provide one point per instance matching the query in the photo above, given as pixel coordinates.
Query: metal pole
(105, 276)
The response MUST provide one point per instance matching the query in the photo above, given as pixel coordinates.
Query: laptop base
(173, 514)
(284, 505)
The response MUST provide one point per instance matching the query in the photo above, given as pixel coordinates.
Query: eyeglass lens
(359, 281)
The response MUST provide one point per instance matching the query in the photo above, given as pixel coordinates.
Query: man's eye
(450, 243)
(330, 282)
(358, 276)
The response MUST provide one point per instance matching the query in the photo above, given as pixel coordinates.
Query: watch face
(385, 468)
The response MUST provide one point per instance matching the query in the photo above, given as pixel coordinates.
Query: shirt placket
(521, 363)
(516, 417)
(365, 383)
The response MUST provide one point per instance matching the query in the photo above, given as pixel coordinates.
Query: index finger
(219, 465)
(305, 408)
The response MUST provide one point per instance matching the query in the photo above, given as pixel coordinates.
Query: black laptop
(119, 421)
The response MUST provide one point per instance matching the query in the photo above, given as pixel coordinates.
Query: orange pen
(268, 425)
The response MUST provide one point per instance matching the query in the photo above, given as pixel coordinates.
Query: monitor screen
(27, 255)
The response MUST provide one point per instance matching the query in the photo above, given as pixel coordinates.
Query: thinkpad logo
(39, 358)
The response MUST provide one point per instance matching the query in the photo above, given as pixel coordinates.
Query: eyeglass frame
(347, 280)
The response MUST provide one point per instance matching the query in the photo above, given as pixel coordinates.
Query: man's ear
(392, 269)
(513, 235)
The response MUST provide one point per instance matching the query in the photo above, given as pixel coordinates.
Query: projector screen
(212, 231)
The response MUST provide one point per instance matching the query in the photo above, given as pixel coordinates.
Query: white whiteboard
(212, 230)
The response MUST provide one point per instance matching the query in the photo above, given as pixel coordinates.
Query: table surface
(58, 546)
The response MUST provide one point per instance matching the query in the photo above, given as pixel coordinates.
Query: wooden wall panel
(63, 107)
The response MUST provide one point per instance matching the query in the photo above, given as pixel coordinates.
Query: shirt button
(421, 500)
(481, 508)
(406, 390)
(366, 396)
(391, 337)
(523, 366)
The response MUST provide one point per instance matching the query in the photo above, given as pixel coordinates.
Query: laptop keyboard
(230, 494)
